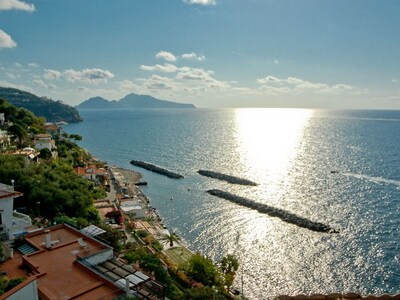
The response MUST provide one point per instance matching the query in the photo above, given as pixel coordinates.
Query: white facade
(44, 141)
(133, 208)
(2, 119)
(11, 223)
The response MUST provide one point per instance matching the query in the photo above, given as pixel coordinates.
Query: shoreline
(155, 227)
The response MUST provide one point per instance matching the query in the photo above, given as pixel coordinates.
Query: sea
(337, 167)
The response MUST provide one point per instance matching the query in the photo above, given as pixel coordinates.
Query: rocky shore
(274, 212)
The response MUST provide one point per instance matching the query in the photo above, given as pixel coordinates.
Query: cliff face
(131, 101)
(53, 111)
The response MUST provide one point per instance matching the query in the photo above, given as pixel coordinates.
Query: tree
(228, 266)
(45, 154)
(19, 132)
(203, 270)
(170, 238)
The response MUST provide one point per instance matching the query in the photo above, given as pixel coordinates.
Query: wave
(378, 180)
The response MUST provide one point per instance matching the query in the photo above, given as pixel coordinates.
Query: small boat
(172, 198)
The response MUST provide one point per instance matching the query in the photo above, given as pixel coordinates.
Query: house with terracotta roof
(53, 129)
(68, 263)
(91, 172)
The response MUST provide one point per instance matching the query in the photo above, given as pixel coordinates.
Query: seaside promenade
(123, 186)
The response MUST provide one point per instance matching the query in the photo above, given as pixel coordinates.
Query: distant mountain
(98, 102)
(131, 101)
(53, 111)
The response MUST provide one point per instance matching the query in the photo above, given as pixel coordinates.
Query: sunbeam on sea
(340, 168)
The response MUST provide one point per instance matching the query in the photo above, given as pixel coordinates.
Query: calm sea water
(290, 153)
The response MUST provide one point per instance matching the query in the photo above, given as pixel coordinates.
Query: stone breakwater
(274, 212)
(228, 178)
(155, 169)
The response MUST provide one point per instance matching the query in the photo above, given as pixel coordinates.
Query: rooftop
(7, 191)
(58, 274)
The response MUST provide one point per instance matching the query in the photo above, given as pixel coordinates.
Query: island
(133, 101)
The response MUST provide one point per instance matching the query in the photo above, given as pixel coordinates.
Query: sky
(211, 53)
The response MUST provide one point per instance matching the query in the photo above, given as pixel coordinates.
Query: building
(97, 175)
(67, 263)
(53, 129)
(132, 208)
(12, 223)
(5, 140)
(42, 141)
(2, 119)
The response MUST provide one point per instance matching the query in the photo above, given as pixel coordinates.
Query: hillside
(131, 101)
(53, 111)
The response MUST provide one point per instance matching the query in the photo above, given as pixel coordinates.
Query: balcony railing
(20, 222)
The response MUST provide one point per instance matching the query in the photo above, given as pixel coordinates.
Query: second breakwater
(274, 212)
(225, 177)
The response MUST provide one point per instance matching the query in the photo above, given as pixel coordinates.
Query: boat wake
(377, 180)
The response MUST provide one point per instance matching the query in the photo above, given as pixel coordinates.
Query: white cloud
(166, 68)
(276, 61)
(274, 85)
(18, 65)
(268, 79)
(194, 74)
(93, 76)
(43, 84)
(33, 65)
(156, 82)
(5, 40)
(52, 74)
(168, 56)
(193, 55)
(201, 2)
(16, 4)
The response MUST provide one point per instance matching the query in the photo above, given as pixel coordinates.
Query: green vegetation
(6, 285)
(170, 239)
(202, 269)
(53, 111)
(229, 265)
(23, 122)
(50, 189)
(153, 264)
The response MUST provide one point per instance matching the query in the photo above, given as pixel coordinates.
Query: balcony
(20, 223)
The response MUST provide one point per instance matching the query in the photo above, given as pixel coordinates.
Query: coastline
(152, 223)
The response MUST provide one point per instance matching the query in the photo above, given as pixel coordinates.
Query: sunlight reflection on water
(290, 153)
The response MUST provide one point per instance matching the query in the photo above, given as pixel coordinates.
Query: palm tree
(170, 238)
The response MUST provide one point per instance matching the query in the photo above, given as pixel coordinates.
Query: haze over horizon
(211, 53)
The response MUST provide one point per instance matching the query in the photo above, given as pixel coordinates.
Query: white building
(132, 207)
(5, 140)
(44, 141)
(12, 223)
(2, 119)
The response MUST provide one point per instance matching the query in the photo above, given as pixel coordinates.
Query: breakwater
(155, 169)
(274, 212)
(228, 178)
